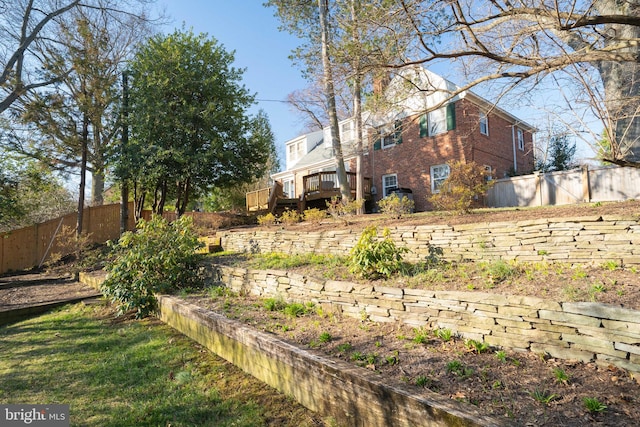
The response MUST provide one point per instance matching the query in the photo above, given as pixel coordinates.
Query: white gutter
(513, 141)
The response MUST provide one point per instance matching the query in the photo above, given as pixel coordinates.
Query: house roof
(320, 156)
(428, 90)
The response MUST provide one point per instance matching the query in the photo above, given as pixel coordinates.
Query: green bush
(314, 215)
(396, 206)
(289, 217)
(373, 257)
(466, 183)
(158, 258)
(267, 219)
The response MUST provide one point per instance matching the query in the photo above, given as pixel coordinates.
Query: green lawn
(115, 372)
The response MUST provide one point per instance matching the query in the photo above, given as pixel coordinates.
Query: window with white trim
(389, 182)
(439, 173)
(520, 134)
(288, 188)
(484, 123)
(437, 121)
(385, 137)
(390, 134)
(347, 131)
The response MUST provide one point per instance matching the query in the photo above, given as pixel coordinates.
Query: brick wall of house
(411, 161)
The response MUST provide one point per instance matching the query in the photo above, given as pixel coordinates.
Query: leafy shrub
(465, 184)
(289, 217)
(274, 304)
(372, 257)
(314, 215)
(158, 258)
(266, 219)
(341, 210)
(295, 309)
(396, 206)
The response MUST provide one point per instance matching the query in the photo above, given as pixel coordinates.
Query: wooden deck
(317, 187)
(324, 185)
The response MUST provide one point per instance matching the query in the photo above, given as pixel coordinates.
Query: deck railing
(325, 185)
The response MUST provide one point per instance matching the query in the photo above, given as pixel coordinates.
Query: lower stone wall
(577, 240)
(588, 332)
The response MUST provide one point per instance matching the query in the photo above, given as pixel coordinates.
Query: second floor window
(484, 123)
(346, 131)
(520, 134)
(388, 136)
(438, 121)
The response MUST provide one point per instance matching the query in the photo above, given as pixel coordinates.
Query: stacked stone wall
(580, 240)
(588, 332)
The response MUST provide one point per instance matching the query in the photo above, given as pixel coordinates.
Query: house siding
(412, 159)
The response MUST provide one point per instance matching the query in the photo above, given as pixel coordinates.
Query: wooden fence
(31, 246)
(602, 184)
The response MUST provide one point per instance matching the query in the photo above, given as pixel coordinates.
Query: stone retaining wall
(588, 332)
(578, 240)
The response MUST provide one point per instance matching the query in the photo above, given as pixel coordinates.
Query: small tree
(465, 184)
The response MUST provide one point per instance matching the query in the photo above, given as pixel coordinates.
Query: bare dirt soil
(25, 290)
(522, 389)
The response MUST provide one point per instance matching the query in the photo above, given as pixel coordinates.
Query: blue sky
(251, 30)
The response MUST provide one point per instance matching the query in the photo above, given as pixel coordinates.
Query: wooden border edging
(352, 396)
(16, 314)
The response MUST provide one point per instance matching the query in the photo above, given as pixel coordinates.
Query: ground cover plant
(114, 371)
(519, 388)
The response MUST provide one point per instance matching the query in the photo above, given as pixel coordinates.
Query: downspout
(513, 141)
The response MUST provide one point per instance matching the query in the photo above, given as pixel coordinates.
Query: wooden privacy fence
(31, 246)
(602, 184)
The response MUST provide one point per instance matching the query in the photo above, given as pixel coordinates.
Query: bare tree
(76, 116)
(527, 41)
(23, 24)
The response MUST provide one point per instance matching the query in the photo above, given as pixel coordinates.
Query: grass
(115, 372)
(543, 396)
(593, 405)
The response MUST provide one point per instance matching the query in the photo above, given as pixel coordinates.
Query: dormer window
(346, 131)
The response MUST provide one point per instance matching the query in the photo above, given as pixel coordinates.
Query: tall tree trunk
(621, 81)
(183, 197)
(97, 186)
(357, 106)
(345, 188)
(124, 184)
(83, 172)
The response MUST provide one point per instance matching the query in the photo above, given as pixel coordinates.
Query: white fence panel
(612, 184)
(602, 184)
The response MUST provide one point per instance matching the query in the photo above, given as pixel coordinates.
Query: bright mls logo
(34, 415)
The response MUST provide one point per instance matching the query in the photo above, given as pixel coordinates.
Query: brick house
(404, 147)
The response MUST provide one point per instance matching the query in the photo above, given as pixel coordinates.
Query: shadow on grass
(121, 373)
